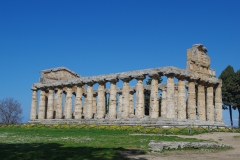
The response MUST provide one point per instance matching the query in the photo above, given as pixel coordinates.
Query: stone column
(201, 102)
(101, 101)
(191, 106)
(42, 105)
(181, 99)
(176, 101)
(170, 96)
(131, 103)
(59, 114)
(120, 110)
(140, 110)
(94, 108)
(154, 101)
(50, 104)
(218, 103)
(210, 106)
(164, 103)
(78, 103)
(33, 114)
(125, 98)
(68, 104)
(112, 114)
(84, 105)
(89, 113)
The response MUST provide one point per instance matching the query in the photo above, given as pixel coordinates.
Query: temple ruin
(195, 98)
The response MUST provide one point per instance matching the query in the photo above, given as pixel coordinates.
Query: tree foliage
(10, 111)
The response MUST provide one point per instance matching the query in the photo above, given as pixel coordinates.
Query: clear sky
(94, 37)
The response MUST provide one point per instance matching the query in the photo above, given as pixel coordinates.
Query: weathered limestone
(125, 98)
(170, 97)
(181, 99)
(58, 98)
(164, 103)
(140, 112)
(176, 102)
(78, 103)
(68, 103)
(50, 104)
(42, 105)
(154, 101)
(112, 100)
(201, 102)
(89, 111)
(101, 101)
(210, 106)
(84, 105)
(131, 103)
(218, 103)
(94, 108)
(191, 106)
(120, 108)
(34, 105)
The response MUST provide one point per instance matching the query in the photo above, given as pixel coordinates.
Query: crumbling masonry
(180, 103)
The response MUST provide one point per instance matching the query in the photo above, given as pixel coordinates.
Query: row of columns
(173, 104)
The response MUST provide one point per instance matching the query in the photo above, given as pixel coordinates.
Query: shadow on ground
(55, 151)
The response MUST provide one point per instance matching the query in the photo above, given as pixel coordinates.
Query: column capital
(192, 79)
(140, 77)
(101, 82)
(34, 88)
(126, 79)
(181, 77)
(154, 75)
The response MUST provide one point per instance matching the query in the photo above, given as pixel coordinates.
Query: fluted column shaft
(42, 105)
(94, 107)
(154, 101)
(59, 104)
(218, 103)
(120, 109)
(131, 103)
(84, 105)
(140, 111)
(164, 103)
(50, 104)
(78, 103)
(101, 101)
(210, 107)
(68, 104)
(34, 105)
(201, 102)
(112, 114)
(125, 99)
(170, 97)
(89, 113)
(191, 107)
(181, 99)
(176, 102)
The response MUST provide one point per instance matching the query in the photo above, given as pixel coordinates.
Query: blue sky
(94, 37)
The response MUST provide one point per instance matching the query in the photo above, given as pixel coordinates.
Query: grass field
(83, 144)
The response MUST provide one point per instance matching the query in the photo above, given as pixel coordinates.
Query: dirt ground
(220, 137)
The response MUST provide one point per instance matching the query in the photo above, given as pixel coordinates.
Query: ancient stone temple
(191, 96)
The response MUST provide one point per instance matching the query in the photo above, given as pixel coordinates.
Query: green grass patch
(74, 142)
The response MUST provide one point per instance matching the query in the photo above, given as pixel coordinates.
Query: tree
(237, 94)
(10, 111)
(228, 89)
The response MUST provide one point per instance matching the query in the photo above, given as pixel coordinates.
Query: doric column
(164, 103)
(50, 104)
(42, 105)
(125, 98)
(210, 106)
(176, 101)
(84, 105)
(170, 96)
(94, 107)
(68, 104)
(33, 114)
(191, 106)
(181, 98)
(58, 98)
(201, 102)
(218, 103)
(78, 103)
(154, 101)
(140, 111)
(131, 102)
(89, 112)
(120, 110)
(101, 100)
(112, 114)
